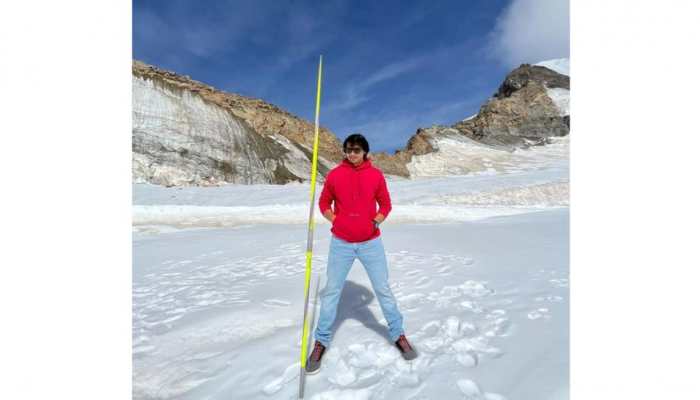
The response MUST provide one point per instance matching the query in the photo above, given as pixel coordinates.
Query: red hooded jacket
(355, 192)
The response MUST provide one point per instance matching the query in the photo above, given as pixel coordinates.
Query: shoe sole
(313, 372)
(409, 356)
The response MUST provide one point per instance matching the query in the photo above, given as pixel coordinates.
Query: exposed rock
(395, 164)
(522, 113)
(188, 133)
(392, 164)
(523, 75)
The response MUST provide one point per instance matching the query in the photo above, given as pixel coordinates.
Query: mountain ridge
(189, 133)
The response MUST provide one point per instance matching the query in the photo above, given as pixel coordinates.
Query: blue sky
(390, 67)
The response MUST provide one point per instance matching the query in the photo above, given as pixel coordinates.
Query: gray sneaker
(313, 364)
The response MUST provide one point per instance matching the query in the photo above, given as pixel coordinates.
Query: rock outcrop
(521, 113)
(188, 133)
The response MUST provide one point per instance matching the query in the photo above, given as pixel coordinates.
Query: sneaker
(313, 364)
(405, 348)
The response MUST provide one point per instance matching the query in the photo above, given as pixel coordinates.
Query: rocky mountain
(188, 133)
(522, 112)
(529, 108)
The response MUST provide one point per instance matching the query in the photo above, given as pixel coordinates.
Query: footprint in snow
(541, 312)
(550, 298)
(472, 391)
(561, 282)
(360, 366)
(291, 373)
(462, 340)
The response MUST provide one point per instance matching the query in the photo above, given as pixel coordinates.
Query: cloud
(529, 31)
(357, 93)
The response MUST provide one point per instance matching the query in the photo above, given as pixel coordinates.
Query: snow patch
(459, 155)
(560, 65)
(560, 97)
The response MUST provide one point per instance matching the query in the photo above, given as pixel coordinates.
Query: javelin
(310, 238)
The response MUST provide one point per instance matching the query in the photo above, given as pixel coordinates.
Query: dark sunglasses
(356, 150)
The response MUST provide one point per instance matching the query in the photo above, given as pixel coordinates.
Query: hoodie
(355, 192)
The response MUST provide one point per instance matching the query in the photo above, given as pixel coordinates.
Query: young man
(355, 187)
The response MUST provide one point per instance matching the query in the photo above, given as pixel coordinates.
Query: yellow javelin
(310, 238)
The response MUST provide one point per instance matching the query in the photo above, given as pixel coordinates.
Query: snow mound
(153, 218)
(555, 194)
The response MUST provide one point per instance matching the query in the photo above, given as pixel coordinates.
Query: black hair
(357, 139)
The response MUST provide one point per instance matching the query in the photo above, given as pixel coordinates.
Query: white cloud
(529, 31)
(358, 92)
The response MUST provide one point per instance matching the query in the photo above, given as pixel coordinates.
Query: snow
(470, 117)
(478, 264)
(460, 155)
(560, 65)
(560, 97)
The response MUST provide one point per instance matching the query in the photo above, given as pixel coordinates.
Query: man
(356, 187)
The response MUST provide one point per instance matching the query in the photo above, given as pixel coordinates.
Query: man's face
(354, 153)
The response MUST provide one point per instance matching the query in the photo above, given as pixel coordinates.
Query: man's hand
(379, 218)
(329, 215)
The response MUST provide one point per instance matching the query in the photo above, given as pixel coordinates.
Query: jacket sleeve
(383, 197)
(327, 196)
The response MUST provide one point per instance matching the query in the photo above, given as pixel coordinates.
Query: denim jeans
(341, 256)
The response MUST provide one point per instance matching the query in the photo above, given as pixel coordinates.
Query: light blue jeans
(341, 256)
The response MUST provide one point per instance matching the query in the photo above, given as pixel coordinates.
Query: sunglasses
(356, 150)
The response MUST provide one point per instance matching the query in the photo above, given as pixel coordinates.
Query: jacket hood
(363, 165)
